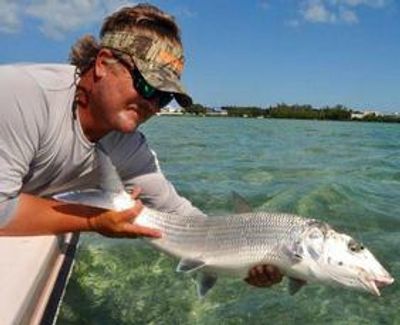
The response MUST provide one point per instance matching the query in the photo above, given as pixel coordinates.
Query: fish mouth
(374, 284)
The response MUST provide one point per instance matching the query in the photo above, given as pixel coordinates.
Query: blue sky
(244, 52)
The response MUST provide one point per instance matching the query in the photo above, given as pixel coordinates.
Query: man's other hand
(264, 276)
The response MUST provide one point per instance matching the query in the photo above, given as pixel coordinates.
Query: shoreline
(380, 119)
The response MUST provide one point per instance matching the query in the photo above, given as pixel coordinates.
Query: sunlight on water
(345, 173)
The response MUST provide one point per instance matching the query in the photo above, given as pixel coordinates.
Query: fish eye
(354, 246)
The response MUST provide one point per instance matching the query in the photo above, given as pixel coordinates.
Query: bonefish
(306, 250)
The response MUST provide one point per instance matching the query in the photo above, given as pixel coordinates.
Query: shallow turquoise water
(342, 172)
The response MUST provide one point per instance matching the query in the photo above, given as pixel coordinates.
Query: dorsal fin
(109, 180)
(240, 205)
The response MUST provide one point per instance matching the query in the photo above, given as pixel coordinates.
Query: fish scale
(231, 244)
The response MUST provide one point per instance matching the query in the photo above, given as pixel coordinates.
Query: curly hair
(142, 16)
(83, 53)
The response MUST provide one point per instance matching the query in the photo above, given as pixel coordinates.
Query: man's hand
(54, 217)
(264, 276)
(120, 224)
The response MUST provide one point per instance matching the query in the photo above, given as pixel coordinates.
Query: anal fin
(295, 285)
(205, 282)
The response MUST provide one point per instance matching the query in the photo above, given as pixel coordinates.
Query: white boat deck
(29, 269)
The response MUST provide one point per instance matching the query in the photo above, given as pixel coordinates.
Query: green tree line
(338, 112)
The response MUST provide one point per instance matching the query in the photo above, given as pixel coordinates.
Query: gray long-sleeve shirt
(44, 151)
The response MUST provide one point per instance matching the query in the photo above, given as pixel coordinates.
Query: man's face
(115, 102)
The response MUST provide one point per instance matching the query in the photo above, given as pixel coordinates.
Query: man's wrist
(90, 224)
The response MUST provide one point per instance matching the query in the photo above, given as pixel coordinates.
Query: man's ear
(103, 60)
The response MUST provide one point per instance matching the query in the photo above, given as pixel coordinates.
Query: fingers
(264, 276)
(132, 230)
(129, 215)
(121, 224)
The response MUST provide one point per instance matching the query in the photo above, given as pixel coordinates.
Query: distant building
(216, 112)
(170, 111)
(358, 115)
(361, 115)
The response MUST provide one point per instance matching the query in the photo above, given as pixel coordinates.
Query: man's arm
(38, 216)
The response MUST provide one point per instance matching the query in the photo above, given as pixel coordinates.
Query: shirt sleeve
(160, 194)
(137, 165)
(7, 210)
(21, 102)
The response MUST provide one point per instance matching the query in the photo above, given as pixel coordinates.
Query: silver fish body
(306, 250)
(228, 245)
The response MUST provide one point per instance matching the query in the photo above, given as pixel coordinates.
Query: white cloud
(183, 12)
(56, 17)
(9, 16)
(317, 12)
(348, 16)
(336, 11)
(369, 3)
(112, 5)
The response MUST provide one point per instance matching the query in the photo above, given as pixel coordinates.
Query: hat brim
(183, 100)
(164, 80)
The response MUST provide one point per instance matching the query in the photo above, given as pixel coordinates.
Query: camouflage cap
(159, 60)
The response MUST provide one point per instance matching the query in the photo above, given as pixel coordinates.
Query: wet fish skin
(306, 250)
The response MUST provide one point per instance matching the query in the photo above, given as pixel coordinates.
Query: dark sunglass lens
(142, 86)
(147, 91)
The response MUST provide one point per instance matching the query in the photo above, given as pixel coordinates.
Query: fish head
(339, 259)
(98, 198)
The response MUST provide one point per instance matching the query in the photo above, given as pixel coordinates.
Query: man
(54, 116)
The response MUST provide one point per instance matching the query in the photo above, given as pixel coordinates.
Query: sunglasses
(147, 91)
(143, 88)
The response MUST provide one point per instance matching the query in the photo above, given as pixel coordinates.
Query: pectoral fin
(293, 252)
(189, 265)
(295, 285)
